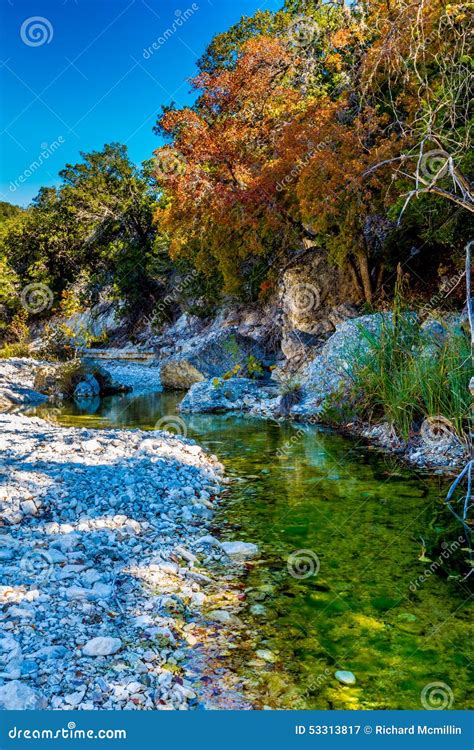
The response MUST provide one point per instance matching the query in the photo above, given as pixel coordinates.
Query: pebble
(16, 696)
(346, 677)
(102, 646)
(94, 610)
(266, 655)
(240, 550)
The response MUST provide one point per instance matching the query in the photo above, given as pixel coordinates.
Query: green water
(360, 519)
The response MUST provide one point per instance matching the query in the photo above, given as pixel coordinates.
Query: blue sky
(75, 74)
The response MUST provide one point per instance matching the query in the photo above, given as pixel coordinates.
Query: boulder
(299, 346)
(180, 374)
(329, 373)
(16, 696)
(88, 387)
(209, 355)
(46, 379)
(314, 289)
(219, 395)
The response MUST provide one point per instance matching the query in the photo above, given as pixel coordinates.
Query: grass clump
(407, 375)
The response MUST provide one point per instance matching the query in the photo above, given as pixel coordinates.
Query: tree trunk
(355, 278)
(365, 275)
(378, 283)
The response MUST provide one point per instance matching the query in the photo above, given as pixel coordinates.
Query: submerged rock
(240, 550)
(266, 655)
(345, 677)
(219, 395)
(87, 388)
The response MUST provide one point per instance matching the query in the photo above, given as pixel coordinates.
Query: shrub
(290, 394)
(21, 349)
(69, 375)
(253, 367)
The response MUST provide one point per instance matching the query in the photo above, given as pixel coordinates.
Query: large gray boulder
(330, 372)
(209, 355)
(219, 395)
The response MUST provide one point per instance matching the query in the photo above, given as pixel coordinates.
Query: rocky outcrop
(71, 380)
(209, 355)
(316, 293)
(88, 387)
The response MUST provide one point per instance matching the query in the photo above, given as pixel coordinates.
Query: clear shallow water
(360, 519)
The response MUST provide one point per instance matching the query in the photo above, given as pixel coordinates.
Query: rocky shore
(111, 585)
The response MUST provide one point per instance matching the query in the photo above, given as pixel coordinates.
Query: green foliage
(253, 367)
(69, 375)
(9, 210)
(98, 224)
(405, 377)
(231, 345)
(9, 351)
(290, 385)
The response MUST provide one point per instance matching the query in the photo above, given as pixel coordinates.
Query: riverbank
(107, 570)
(230, 649)
(435, 448)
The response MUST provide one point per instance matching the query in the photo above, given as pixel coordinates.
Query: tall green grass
(405, 375)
